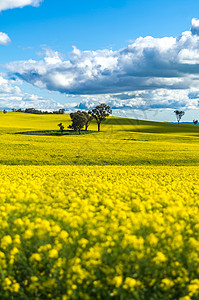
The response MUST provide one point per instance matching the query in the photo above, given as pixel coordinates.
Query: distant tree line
(39, 112)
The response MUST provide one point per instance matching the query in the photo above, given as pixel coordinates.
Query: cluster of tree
(81, 119)
(39, 112)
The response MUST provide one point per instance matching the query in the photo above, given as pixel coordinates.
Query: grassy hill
(122, 141)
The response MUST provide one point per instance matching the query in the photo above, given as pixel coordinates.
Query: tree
(61, 111)
(179, 114)
(4, 111)
(89, 119)
(195, 122)
(100, 113)
(61, 127)
(79, 120)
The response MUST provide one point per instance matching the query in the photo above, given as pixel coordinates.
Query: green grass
(122, 141)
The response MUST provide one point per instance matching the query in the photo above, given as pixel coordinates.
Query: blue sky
(147, 77)
(91, 25)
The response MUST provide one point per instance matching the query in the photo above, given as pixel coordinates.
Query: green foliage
(100, 113)
(79, 120)
(179, 114)
(89, 119)
(61, 127)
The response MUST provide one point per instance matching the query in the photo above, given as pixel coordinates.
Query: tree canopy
(89, 119)
(100, 113)
(79, 120)
(179, 114)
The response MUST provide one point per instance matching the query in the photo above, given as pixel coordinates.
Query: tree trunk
(79, 131)
(98, 126)
(86, 127)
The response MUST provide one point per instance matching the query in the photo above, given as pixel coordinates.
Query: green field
(121, 142)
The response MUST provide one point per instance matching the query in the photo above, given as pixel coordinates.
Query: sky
(139, 57)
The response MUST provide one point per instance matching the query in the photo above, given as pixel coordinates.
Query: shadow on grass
(55, 132)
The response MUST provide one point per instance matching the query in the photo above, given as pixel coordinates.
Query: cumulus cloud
(8, 4)
(146, 66)
(195, 26)
(145, 100)
(4, 39)
(11, 96)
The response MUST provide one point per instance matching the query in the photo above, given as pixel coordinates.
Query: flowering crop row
(70, 232)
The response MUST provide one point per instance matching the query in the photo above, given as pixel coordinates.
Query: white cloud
(195, 26)
(4, 38)
(11, 96)
(8, 4)
(167, 67)
(145, 99)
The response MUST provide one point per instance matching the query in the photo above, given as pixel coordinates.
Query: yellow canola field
(122, 141)
(84, 232)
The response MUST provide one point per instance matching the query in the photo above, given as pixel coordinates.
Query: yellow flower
(53, 253)
(160, 257)
(193, 287)
(129, 283)
(34, 278)
(166, 284)
(28, 234)
(63, 234)
(117, 281)
(7, 281)
(6, 241)
(36, 257)
(15, 287)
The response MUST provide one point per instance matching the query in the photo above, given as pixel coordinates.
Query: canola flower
(122, 141)
(71, 232)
